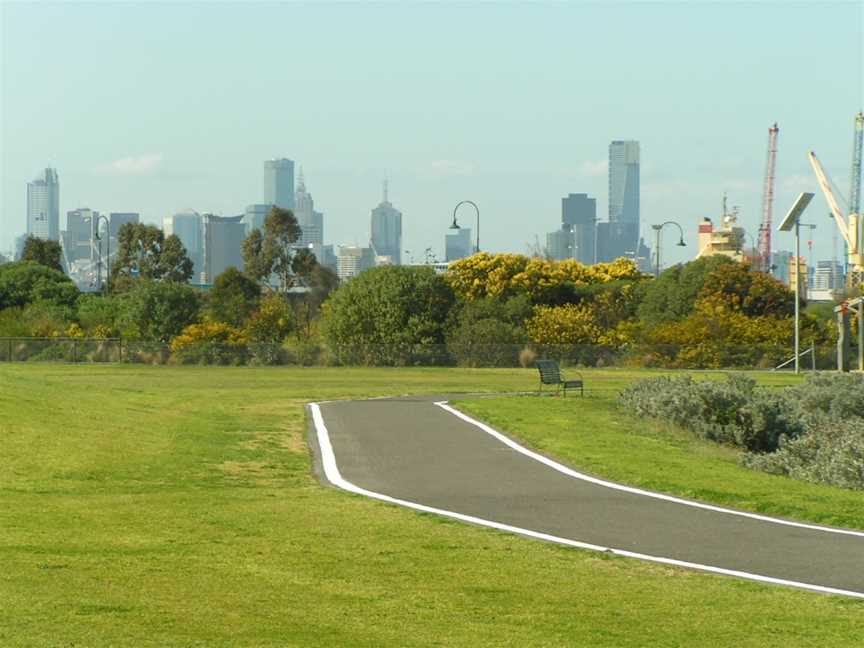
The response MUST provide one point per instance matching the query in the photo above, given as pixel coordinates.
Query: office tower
(386, 230)
(561, 244)
(781, 262)
(254, 216)
(279, 183)
(353, 260)
(222, 244)
(188, 226)
(78, 235)
(43, 206)
(579, 218)
(828, 276)
(624, 199)
(310, 221)
(324, 255)
(457, 244)
(116, 220)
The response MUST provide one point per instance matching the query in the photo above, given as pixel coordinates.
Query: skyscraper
(624, 199)
(189, 228)
(457, 243)
(310, 221)
(223, 241)
(387, 230)
(579, 214)
(117, 220)
(279, 183)
(255, 215)
(43, 206)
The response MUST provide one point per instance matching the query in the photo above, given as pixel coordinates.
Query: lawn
(175, 506)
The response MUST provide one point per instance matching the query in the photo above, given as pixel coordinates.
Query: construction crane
(764, 260)
(850, 230)
(857, 145)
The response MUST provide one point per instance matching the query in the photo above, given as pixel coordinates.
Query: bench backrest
(550, 374)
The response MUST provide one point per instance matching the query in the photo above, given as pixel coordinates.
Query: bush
(488, 332)
(26, 282)
(391, 315)
(813, 432)
(209, 343)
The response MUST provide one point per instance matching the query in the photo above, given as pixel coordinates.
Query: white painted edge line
(629, 489)
(331, 471)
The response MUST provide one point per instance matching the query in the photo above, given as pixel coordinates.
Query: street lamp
(477, 209)
(792, 220)
(94, 232)
(658, 229)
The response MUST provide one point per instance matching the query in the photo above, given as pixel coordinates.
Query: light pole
(477, 209)
(793, 220)
(94, 231)
(658, 229)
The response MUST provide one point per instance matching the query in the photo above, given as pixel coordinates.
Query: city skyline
(514, 130)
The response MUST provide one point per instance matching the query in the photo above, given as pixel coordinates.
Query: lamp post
(97, 219)
(793, 220)
(476, 209)
(658, 229)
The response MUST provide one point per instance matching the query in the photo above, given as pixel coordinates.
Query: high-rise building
(623, 199)
(457, 244)
(43, 206)
(578, 235)
(222, 243)
(828, 276)
(279, 183)
(310, 221)
(386, 228)
(352, 260)
(188, 226)
(78, 236)
(116, 220)
(255, 215)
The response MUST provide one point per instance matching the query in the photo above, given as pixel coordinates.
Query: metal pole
(861, 335)
(797, 289)
(657, 253)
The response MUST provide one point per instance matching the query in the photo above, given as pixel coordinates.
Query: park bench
(550, 374)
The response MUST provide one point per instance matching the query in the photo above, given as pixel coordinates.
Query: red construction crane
(764, 260)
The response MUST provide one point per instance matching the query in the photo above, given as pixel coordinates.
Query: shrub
(233, 298)
(267, 328)
(209, 343)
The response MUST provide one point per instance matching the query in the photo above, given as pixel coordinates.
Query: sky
(157, 107)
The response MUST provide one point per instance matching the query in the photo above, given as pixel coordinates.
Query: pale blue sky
(156, 107)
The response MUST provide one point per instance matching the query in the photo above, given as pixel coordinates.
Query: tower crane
(850, 230)
(764, 263)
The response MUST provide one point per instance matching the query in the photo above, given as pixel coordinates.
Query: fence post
(10, 349)
(813, 356)
(74, 351)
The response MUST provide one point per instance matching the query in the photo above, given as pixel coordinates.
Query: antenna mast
(768, 202)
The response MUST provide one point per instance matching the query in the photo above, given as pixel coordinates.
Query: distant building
(324, 255)
(352, 260)
(188, 226)
(223, 241)
(457, 244)
(797, 270)
(310, 221)
(255, 215)
(279, 183)
(79, 232)
(623, 233)
(561, 244)
(386, 230)
(726, 240)
(43, 206)
(116, 220)
(577, 238)
(780, 263)
(828, 276)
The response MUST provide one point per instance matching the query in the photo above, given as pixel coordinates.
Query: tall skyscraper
(310, 221)
(386, 236)
(223, 241)
(457, 244)
(279, 183)
(189, 228)
(255, 215)
(624, 199)
(116, 220)
(43, 206)
(579, 215)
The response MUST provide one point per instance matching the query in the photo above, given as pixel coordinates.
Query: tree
(672, 296)
(27, 282)
(320, 282)
(488, 332)
(233, 298)
(390, 315)
(159, 310)
(736, 287)
(272, 252)
(144, 252)
(43, 252)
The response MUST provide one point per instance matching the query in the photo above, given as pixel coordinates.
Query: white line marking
(331, 470)
(629, 489)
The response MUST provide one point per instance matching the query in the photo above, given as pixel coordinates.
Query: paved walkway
(418, 452)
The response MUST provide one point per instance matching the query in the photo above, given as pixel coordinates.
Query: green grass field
(175, 506)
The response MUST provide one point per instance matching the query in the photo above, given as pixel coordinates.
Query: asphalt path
(421, 453)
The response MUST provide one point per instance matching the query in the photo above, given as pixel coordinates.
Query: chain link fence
(707, 356)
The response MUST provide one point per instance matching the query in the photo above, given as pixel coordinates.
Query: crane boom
(768, 201)
(857, 145)
(832, 203)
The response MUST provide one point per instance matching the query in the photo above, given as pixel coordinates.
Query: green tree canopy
(233, 298)
(43, 252)
(27, 282)
(271, 251)
(160, 310)
(672, 296)
(388, 315)
(144, 252)
(755, 294)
